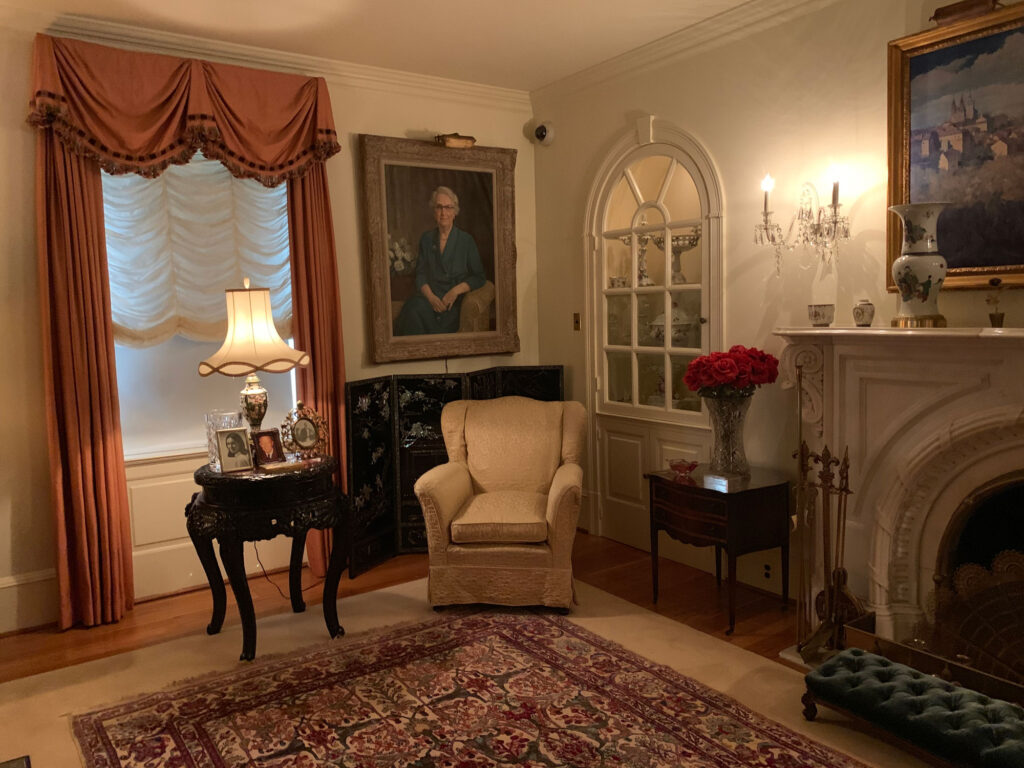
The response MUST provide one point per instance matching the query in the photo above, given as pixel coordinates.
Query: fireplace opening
(996, 525)
(978, 614)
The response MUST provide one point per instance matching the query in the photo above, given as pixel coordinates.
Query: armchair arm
(563, 511)
(441, 492)
(475, 312)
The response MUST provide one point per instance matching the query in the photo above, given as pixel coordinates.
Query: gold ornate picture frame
(304, 432)
(956, 122)
(398, 178)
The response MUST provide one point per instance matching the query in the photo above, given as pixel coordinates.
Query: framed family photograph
(268, 447)
(304, 432)
(233, 450)
(439, 225)
(956, 135)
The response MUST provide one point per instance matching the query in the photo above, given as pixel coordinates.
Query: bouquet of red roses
(735, 373)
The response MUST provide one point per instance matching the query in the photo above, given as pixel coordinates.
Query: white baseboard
(28, 600)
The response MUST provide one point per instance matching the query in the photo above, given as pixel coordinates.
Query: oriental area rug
(464, 690)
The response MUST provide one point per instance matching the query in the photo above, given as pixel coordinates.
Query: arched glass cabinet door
(653, 292)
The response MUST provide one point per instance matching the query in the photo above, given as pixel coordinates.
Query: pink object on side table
(682, 468)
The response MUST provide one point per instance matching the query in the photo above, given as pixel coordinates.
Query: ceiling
(520, 44)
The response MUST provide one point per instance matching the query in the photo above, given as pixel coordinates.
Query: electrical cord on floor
(266, 576)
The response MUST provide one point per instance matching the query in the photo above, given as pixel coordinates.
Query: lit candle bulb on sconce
(767, 184)
(835, 193)
(768, 232)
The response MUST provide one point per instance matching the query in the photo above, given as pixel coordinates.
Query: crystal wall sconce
(820, 226)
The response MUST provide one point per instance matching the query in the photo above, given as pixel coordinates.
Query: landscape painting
(960, 96)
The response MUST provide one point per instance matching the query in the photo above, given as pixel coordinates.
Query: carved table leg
(231, 556)
(295, 574)
(785, 573)
(654, 562)
(204, 548)
(339, 548)
(732, 593)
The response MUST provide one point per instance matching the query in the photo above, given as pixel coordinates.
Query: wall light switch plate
(575, 321)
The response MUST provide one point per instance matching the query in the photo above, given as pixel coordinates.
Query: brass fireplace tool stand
(834, 605)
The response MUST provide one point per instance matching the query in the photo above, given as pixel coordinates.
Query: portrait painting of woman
(440, 227)
(449, 215)
(448, 267)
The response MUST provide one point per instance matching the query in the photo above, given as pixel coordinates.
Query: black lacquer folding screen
(394, 436)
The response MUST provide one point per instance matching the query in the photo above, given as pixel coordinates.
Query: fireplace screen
(979, 585)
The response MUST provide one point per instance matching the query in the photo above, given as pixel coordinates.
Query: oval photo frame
(304, 432)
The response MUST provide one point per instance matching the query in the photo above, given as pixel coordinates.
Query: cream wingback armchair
(501, 514)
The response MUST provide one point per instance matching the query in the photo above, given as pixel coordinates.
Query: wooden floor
(687, 595)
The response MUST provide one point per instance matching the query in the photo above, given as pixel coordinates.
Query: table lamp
(252, 344)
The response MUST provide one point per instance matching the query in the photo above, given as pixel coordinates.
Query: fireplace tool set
(835, 604)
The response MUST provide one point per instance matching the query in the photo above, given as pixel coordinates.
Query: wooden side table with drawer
(739, 515)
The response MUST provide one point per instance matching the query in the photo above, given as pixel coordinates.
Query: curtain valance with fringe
(140, 112)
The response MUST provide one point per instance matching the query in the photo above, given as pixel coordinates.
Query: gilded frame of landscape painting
(956, 134)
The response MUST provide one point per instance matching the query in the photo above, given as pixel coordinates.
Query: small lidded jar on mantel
(863, 313)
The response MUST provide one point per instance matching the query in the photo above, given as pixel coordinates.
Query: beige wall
(791, 100)
(364, 101)
(26, 541)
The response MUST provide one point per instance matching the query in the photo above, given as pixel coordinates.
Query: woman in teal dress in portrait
(448, 267)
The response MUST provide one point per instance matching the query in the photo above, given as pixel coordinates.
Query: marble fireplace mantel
(929, 416)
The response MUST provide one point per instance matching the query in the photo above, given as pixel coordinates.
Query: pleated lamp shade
(252, 342)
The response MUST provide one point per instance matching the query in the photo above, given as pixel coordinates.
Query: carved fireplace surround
(930, 417)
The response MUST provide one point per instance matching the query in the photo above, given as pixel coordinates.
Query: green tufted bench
(958, 725)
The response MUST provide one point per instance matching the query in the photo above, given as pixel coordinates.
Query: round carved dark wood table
(250, 506)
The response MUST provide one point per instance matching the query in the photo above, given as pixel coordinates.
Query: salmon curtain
(128, 112)
(316, 322)
(90, 498)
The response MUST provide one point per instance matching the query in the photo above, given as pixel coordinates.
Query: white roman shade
(177, 242)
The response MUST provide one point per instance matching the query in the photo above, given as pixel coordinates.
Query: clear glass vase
(727, 417)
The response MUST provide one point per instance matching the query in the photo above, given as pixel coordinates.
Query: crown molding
(337, 72)
(737, 23)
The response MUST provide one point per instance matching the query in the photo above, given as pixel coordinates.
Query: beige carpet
(34, 711)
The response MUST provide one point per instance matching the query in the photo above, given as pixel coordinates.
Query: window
(174, 243)
(658, 239)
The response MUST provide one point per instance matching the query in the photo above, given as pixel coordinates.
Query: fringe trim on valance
(203, 135)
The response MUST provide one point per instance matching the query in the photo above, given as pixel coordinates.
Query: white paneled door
(654, 265)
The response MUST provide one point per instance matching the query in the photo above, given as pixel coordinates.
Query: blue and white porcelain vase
(920, 270)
